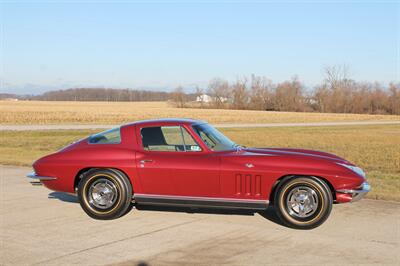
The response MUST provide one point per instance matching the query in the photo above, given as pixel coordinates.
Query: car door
(171, 162)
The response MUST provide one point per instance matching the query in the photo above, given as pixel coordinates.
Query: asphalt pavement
(39, 226)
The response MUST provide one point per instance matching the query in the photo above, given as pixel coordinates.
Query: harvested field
(46, 112)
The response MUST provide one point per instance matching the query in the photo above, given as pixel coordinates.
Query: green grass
(374, 148)
(23, 147)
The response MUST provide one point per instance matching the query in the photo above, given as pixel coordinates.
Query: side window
(168, 138)
(112, 136)
(172, 136)
(190, 143)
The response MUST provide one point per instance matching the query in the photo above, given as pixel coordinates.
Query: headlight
(355, 169)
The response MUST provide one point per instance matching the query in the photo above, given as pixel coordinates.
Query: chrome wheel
(102, 193)
(302, 202)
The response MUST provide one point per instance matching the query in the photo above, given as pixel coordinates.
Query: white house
(204, 98)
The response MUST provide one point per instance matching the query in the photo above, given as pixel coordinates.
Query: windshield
(214, 139)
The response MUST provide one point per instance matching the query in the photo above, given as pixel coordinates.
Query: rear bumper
(37, 179)
(356, 194)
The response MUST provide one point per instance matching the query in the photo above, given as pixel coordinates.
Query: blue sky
(50, 45)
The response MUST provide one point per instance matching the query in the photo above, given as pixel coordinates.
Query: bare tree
(289, 96)
(261, 93)
(336, 76)
(220, 91)
(199, 93)
(179, 97)
(240, 95)
(394, 98)
(320, 98)
(335, 93)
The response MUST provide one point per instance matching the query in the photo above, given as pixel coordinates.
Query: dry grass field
(375, 148)
(45, 112)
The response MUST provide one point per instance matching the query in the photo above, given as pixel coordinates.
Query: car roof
(187, 121)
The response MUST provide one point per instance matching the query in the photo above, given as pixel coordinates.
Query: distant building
(204, 98)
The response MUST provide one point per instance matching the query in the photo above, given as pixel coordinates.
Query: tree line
(100, 94)
(336, 94)
(96, 94)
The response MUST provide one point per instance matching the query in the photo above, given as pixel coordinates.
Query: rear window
(112, 136)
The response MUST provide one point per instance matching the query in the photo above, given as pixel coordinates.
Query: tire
(303, 202)
(105, 194)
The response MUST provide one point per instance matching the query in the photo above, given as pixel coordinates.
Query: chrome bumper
(358, 193)
(37, 179)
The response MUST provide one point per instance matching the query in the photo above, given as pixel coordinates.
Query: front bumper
(357, 193)
(37, 179)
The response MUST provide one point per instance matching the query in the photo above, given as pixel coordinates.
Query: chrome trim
(199, 198)
(356, 194)
(152, 199)
(302, 202)
(34, 176)
(102, 194)
(146, 161)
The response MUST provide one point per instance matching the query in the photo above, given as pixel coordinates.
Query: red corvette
(189, 163)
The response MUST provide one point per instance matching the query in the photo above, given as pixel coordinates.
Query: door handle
(146, 161)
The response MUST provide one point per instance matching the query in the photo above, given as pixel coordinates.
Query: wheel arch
(289, 176)
(82, 171)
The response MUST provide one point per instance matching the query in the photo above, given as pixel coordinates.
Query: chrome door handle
(146, 161)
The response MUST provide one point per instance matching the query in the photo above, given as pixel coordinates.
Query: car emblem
(249, 165)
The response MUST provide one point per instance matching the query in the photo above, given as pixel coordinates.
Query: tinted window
(168, 138)
(112, 136)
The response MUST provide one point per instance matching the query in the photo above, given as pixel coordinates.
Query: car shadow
(66, 197)
(268, 214)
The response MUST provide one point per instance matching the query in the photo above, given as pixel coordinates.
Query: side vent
(248, 185)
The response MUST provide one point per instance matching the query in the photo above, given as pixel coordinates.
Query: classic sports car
(187, 162)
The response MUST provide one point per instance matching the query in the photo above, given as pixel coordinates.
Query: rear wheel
(303, 202)
(105, 193)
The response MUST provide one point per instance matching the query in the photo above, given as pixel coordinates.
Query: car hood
(295, 152)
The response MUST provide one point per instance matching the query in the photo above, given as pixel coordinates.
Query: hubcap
(302, 202)
(102, 193)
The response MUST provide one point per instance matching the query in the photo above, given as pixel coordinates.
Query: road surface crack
(115, 241)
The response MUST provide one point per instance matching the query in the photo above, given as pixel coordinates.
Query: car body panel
(193, 174)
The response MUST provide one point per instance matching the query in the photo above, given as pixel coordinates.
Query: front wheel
(105, 194)
(303, 202)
